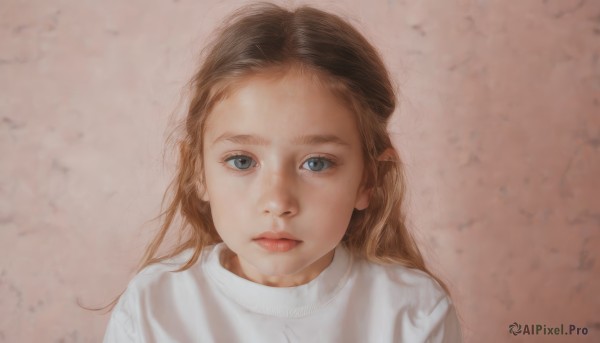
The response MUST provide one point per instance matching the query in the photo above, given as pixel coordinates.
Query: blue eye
(240, 162)
(317, 164)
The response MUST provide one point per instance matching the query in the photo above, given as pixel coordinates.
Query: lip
(276, 241)
(276, 235)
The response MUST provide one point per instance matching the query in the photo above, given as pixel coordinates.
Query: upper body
(350, 301)
(286, 157)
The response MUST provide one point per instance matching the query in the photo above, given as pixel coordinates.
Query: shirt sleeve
(445, 325)
(121, 326)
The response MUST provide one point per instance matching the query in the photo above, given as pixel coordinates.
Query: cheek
(225, 198)
(339, 193)
(331, 205)
(220, 186)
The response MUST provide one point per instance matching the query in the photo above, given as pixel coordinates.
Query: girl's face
(283, 171)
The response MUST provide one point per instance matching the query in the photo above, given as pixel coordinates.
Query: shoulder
(153, 293)
(157, 281)
(165, 273)
(421, 309)
(405, 287)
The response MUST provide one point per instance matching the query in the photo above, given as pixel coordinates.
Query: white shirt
(350, 301)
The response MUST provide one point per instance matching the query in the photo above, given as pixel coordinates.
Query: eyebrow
(257, 140)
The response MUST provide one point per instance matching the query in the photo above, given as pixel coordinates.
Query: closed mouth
(270, 235)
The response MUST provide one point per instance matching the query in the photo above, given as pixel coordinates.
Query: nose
(278, 197)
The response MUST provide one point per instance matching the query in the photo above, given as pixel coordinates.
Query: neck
(234, 264)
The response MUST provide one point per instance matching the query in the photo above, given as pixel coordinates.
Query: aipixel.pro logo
(543, 329)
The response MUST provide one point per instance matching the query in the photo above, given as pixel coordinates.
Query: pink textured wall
(499, 126)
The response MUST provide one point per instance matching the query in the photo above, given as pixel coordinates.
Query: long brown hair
(263, 36)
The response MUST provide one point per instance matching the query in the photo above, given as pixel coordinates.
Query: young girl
(289, 195)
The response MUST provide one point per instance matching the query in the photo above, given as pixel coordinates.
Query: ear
(363, 196)
(201, 189)
(204, 195)
(388, 155)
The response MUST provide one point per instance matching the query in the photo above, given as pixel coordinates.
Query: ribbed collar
(290, 302)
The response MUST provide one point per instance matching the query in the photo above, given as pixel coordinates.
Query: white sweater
(350, 301)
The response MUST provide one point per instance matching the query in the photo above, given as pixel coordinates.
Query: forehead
(282, 105)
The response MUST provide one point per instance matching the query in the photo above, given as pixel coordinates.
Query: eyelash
(330, 162)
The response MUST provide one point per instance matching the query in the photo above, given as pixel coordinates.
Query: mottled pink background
(499, 126)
